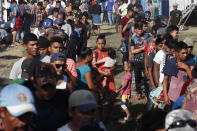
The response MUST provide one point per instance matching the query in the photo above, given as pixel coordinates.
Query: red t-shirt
(100, 56)
(123, 22)
(110, 81)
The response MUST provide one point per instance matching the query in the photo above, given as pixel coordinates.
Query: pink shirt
(71, 67)
(127, 90)
(176, 85)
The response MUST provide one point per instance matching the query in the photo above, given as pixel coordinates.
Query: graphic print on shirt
(139, 42)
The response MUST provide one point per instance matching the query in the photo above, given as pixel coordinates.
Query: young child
(126, 91)
(109, 62)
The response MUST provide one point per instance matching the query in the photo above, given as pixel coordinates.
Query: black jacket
(95, 9)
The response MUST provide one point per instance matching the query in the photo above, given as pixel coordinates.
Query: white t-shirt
(63, 85)
(38, 32)
(67, 29)
(63, 4)
(16, 70)
(160, 58)
(123, 9)
(108, 62)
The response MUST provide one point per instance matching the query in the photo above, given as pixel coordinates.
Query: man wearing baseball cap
(82, 110)
(58, 23)
(175, 16)
(63, 81)
(16, 108)
(51, 103)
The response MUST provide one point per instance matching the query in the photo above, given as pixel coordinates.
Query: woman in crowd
(110, 89)
(84, 70)
(96, 19)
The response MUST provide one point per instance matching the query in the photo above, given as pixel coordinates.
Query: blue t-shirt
(193, 57)
(13, 9)
(81, 71)
(62, 10)
(156, 10)
(110, 4)
(178, 103)
(171, 68)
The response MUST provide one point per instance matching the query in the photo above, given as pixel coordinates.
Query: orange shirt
(101, 55)
(110, 81)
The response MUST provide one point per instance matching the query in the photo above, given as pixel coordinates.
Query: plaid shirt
(19, 24)
(40, 15)
(71, 67)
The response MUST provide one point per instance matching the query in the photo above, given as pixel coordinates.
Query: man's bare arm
(156, 73)
(135, 51)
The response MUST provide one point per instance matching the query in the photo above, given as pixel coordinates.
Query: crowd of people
(61, 84)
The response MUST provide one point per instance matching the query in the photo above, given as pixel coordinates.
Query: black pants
(138, 70)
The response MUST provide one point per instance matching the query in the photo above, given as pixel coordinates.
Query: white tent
(182, 4)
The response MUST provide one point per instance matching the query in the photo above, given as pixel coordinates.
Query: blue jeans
(102, 15)
(110, 17)
(28, 25)
(19, 34)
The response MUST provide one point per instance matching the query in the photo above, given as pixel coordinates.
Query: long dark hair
(84, 53)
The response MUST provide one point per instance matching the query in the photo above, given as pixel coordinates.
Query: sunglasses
(182, 123)
(60, 65)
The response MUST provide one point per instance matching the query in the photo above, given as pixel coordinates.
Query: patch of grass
(7, 59)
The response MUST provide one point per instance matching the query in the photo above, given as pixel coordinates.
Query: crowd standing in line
(52, 87)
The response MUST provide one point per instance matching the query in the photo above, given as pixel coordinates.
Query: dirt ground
(12, 54)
